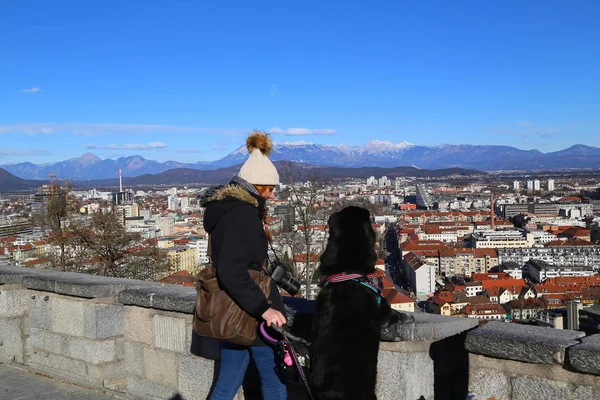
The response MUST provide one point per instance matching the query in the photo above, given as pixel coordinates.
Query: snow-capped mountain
(373, 154)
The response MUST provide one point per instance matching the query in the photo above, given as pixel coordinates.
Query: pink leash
(290, 354)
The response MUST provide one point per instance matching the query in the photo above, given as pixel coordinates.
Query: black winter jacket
(233, 218)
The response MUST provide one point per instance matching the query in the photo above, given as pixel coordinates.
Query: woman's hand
(272, 316)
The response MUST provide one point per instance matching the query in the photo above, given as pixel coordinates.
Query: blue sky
(187, 79)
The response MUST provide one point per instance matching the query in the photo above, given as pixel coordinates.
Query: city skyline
(187, 81)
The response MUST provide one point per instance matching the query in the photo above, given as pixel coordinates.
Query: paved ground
(18, 384)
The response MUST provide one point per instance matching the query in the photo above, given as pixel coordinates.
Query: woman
(234, 217)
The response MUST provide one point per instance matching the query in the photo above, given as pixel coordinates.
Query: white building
(371, 181)
(529, 185)
(536, 185)
(515, 185)
(550, 185)
(498, 239)
(420, 274)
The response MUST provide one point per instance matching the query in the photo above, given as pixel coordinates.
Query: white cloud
(190, 151)
(32, 90)
(107, 129)
(300, 131)
(524, 123)
(133, 146)
(30, 152)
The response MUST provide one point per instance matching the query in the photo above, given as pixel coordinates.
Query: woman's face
(268, 192)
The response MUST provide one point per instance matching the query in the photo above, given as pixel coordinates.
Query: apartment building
(182, 258)
(587, 255)
(420, 274)
(497, 239)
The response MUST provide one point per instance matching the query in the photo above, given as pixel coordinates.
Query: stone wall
(517, 362)
(135, 337)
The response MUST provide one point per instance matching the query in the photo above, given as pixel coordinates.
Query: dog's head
(351, 243)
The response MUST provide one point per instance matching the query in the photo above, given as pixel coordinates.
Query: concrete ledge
(529, 344)
(162, 297)
(585, 357)
(68, 283)
(427, 327)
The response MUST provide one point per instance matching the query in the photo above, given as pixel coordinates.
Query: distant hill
(11, 183)
(286, 169)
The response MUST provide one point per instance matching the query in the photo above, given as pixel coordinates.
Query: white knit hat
(258, 169)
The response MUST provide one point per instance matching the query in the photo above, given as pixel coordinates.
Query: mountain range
(373, 154)
(287, 170)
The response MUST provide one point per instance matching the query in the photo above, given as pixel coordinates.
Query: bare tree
(113, 251)
(304, 196)
(54, 216)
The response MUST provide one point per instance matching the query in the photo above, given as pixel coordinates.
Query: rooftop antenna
(120, 180)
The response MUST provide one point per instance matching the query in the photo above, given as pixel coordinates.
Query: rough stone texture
(160, 366)
(11, 344)
(165, 297)
(58, 366)
(585, 357)
(195, 377)
(529, 388)
(47, 341)
(585, 393)
(139, 325)
(485, 382)
(134, 358)
(143, 389)
(170, 333)
(40, 311)
(520, 342)
(20, 384)
(404, 375)
(79, 285)
(103, 320)
(106, 372)
(68, 316)
(12, 274)
(13, 302)
(426, 327)
(92, 351)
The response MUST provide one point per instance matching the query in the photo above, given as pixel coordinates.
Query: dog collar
(369, 281)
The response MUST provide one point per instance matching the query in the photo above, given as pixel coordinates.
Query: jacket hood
(222, 199)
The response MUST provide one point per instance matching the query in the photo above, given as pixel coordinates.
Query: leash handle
(299, 366)
(263, 332)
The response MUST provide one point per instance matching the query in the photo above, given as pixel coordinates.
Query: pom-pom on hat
(258, 169)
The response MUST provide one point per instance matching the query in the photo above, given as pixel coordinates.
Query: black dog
(349, 315)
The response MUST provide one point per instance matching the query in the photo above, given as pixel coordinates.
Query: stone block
(91, 351)
(58, 366)
(139, 325)
(12, 274)
(40, 312)
(68, 316)
(405, 375)
(143, 389)
(195, 377)
(134, 358)
(40, 339)
(13, 302)
(163, 297)
(528, 387)
(530, 344)
(78, 285)
(423, 326)
(485, 383)
(585, 393)
(103, 320)
(160, 366)
(101, 372)
(170, 333)
(11, 341)
(585, 357)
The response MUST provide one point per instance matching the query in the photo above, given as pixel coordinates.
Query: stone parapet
(135, 337)
(512, 361)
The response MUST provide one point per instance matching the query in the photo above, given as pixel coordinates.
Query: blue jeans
(234, 362)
